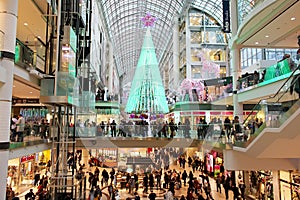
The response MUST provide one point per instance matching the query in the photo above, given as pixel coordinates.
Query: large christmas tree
(147, 93)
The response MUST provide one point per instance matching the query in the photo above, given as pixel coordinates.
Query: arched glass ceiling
(126, 31)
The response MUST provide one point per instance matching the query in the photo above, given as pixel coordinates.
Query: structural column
(110, 69)
(175, 54)
(188, 47)
(8, 28)
(236, 71)
(235, 60)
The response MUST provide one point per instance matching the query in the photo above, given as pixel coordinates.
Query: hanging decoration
(148, 20)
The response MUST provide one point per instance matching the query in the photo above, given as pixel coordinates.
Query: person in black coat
(184, 176)
(236, 192)
(145, 181)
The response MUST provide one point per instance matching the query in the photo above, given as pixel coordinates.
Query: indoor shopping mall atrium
(149, 99)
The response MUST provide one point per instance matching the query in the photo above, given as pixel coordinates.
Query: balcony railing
(213, 132)
(273, 73)
(27, 58)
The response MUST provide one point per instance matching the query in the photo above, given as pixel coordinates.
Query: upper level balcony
(253, 87)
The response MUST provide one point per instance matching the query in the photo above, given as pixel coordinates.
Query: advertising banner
(226, 16)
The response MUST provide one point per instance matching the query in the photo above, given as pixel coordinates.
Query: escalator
(276, 143)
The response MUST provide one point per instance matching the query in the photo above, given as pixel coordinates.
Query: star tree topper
(148, 20)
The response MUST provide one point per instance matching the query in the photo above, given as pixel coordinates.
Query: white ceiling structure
(275, 26)
(271, 27)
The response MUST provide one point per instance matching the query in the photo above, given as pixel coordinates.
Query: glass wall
(195, 55)
(250, 56)
(196, 19)
(196, 71)
(196, 37)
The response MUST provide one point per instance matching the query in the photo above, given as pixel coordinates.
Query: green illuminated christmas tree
(147, 93)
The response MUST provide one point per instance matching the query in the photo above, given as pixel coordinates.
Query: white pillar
(8, 28)
(235, 60)
(175, 53)
(110, 69)
(188, 47)
(236, 71)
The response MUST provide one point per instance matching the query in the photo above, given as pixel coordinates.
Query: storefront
(13, 173)
(261, 184)
(213, 162)
(21, 171)
(289, 183)
(27, 168)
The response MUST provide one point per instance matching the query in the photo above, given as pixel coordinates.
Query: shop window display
(295, 186)
(261, 184)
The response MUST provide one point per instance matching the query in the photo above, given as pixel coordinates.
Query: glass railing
(32, 135)
(273, 73)
(23, 55)
(209, 132)
(67, 86)
(272, 112)
(26, 57)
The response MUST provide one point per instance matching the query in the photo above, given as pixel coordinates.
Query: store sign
(215, 113)
(185, 113)
(226, 16)
(27, 158)
(25, 101)
(227, 113)
(219, 81)
(198, 113)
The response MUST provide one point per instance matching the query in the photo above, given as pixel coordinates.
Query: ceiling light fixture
(25, 24)
(293, 18)
(30, 92)
(256, 42)
(266, 36)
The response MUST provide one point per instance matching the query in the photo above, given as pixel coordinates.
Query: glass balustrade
(213, 132)
(26, 57)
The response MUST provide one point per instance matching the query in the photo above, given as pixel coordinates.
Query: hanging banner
(226, 16)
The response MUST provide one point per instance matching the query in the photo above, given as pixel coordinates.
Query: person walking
(13, 128)
(218, 182)
(172, 128)
(20, 127)
(242, 187)
(113, 128)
